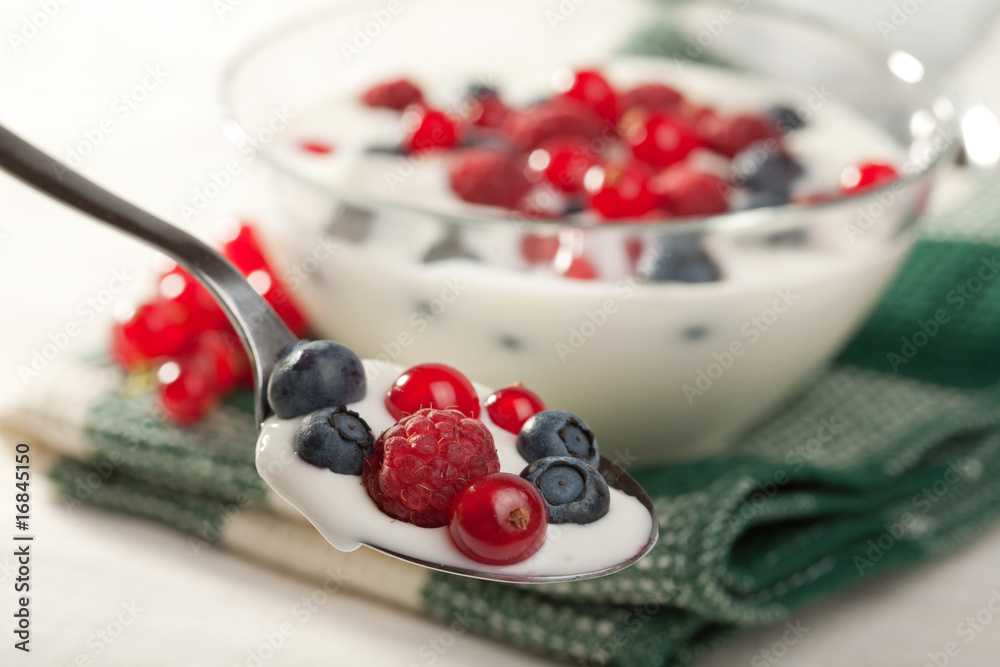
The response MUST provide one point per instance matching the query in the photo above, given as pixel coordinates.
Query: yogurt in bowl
(685, 330)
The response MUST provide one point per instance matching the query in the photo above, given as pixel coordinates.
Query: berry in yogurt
(499, 519)
(574, 492)
(418, 465)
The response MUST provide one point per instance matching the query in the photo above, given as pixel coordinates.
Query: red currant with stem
(431, 386)
(511, 406)
(498, 519)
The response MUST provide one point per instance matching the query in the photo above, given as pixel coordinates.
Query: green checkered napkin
(879, 465)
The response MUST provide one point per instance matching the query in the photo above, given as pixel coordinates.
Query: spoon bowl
(261, 331)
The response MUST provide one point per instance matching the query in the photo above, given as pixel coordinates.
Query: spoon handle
(262, 332)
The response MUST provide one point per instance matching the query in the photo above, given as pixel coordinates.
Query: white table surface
(91, 570)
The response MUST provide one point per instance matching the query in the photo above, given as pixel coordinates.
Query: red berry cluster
(184, 334)
(637, 154)
(438, 465)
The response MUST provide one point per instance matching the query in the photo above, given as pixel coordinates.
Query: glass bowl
(688, 330)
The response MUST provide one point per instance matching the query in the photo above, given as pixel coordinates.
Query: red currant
(687, 191)
(316, 147)
(431, 386)
(499, 519)
(244, 251)
(563, 162)
(591, 88)
(204, 312)
(187, 390)
(222, 355)
(621, 190)
(868, 175)
(430, 130)
(659, 140)
(156, 329)
(511, 406)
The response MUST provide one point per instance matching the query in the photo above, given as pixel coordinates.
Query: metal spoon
(261, 331)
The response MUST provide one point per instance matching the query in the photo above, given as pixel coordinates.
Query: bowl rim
(488, 216)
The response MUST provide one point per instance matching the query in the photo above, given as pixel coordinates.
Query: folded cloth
(890, 457)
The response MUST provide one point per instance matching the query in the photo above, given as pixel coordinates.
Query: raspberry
(486, 109)
(731, 134)
(558, 117)
(487, 177)
(419, 465)
(397, 95)
(687, 191)
(653, 97)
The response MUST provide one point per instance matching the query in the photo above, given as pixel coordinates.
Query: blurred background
(64, 67)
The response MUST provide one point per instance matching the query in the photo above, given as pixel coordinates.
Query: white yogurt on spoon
(341, 509)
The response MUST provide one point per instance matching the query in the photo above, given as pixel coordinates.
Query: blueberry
(557, 433)
(315, 374)
(682, 260)
(334, 438)
(574, 492)
(785, 118)
(764, 198)
(761, 167)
